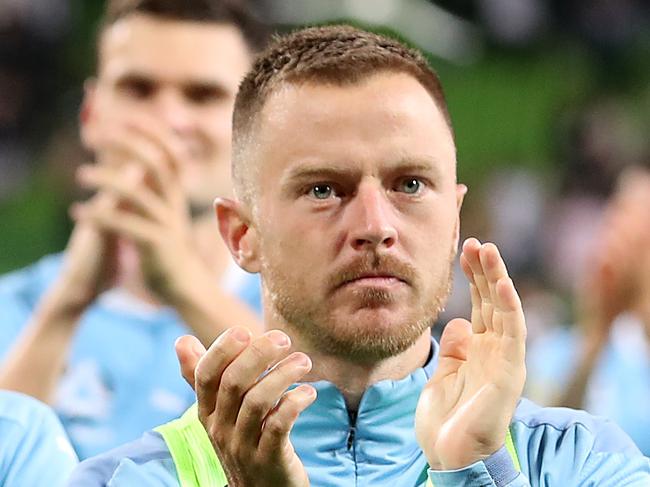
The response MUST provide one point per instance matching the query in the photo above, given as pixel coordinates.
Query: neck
(353, 378)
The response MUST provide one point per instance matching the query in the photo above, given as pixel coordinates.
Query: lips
(374, 278)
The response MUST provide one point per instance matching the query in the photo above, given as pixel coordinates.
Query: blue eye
(409, 186)
(321, 191)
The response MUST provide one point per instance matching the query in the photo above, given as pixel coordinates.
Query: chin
(372, 334)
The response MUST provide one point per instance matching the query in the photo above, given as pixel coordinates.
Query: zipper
(352, 433)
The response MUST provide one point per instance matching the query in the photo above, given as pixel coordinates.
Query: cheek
(432, 242)
(294, 243)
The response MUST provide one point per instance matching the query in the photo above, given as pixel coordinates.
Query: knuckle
(230, 383)
(255, 405)
(203, 379)
(275, 426)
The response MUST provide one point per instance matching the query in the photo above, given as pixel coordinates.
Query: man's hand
(89, 266)
(139, 169)
(243, 403)
(466, 408)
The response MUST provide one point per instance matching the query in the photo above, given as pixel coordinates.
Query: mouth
(375, 280)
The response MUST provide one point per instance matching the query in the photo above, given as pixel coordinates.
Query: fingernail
(306, 390)
(301, 360)
(240, 335)
(279, 338)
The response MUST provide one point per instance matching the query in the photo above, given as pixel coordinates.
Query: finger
(454, 345)
(264, 395)
(99, 201)
(165, 169)
(240, 376)
(514, 322)
(131, 189)
(471, 251)
(477, 315)
(279, 422)
(121, 222)
(455, 339)
(189, 351)
(163, 138)
(122, 145)
(493, 269)
(207, 377)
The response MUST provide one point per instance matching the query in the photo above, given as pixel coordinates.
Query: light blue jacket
(121, 377)
(555, 447)
(34, 450)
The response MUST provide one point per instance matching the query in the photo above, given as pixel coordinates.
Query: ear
(238, 234)
(461, 191)
(87, 114)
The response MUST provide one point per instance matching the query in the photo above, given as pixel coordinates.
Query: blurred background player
(91, 331)
(603, 363)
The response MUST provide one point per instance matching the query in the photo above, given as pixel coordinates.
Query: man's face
(182, 75)
(357, 213)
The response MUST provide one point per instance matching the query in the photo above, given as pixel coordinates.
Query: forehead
(387, 117)
(173, 50)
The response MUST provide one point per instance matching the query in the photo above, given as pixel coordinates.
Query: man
(93, 330)
(344, 166)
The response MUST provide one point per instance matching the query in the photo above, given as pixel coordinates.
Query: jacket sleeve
(557, 447)
(143, 462)
(496, 470)
(565, 447)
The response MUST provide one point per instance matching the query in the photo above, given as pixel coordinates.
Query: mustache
(372, 264)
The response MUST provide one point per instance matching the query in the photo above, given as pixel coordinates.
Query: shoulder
(146, 461)
(33, 440)
(23, 411)
(33, 280)
(567, 445)
(595, 432)
(26, 416)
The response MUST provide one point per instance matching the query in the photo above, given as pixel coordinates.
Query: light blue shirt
(556, 447)
(34, 450)
(619, 387)
(122, 377)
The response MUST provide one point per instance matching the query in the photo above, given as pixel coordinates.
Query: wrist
(62, 305)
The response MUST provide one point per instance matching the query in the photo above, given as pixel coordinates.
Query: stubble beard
(319, 327)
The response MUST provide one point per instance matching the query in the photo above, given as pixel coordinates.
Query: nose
(172, 110)
(371, 220)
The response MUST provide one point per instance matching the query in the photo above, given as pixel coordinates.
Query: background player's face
(183, 75)
(358, 212)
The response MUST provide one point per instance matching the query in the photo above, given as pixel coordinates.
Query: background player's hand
(466, 408)
(616, 276)
(89, 265)
(138, 166)
(241, 385)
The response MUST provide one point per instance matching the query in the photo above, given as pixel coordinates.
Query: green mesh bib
(196, 462)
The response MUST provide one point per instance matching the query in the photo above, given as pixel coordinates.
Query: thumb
(454, 345)
(188, 350)
(455, 339)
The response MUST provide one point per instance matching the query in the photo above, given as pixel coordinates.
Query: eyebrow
(187, 84)
(311, 171)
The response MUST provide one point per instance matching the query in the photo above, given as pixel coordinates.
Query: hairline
(106, 28)
(244, 193)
